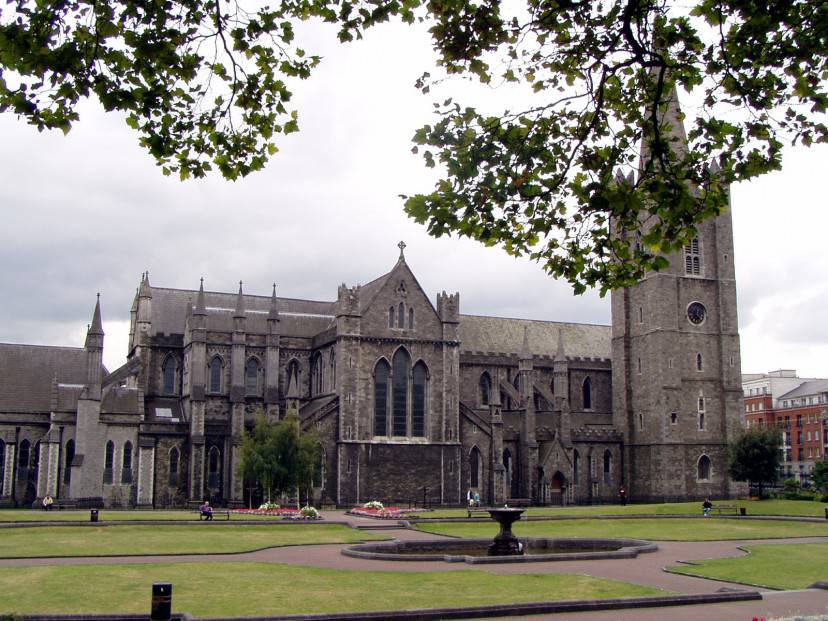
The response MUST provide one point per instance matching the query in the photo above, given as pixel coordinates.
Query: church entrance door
(556, 491)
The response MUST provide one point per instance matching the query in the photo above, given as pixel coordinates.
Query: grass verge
(675, 529)
(259, 589)
(803, 508)
(207, 538)
(771, 566)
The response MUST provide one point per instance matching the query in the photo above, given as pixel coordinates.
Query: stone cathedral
(410, 398)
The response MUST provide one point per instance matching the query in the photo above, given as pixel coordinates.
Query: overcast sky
(90, 212)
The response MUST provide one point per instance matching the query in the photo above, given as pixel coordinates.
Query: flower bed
(277, 512)
(386, 513)
(287, 514)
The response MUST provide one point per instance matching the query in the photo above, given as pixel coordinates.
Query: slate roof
(120, 400)
(812, 387)
(505, 336)
(26, 373)
(298, 317)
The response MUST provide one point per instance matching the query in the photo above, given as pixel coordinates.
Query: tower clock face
(696, 313)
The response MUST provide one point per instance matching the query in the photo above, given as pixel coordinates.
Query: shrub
(269, 506)
(309, 512)
(374, 504)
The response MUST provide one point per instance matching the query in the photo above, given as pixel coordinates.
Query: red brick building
(798, 407)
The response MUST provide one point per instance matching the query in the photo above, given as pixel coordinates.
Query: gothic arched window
(704, 468)
(576, 468)
(410, 318)
(216, 372)
(316, 374)
(126, 470)
(391, 317)
(332, 368)
(607, 467)
(109, 462)
(175, 458)
(213, 467)
(401, 315)
(251, 377)
(474, 467)
(699, 365)
(401, 367)
(381, 372)
(67, 462)
(587, 394)
(418, 400)
(692, 258)
(485, 389)
(168, 371)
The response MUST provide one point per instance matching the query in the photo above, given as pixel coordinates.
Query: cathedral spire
(559, 354)
(96, 329)
(525, 351)
(273, 313)
(145, 291)
(668, 132)
(200, 307)
(239, 312)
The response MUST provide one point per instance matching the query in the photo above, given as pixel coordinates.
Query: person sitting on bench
(206, 511)
(706, 507)
(47, 503)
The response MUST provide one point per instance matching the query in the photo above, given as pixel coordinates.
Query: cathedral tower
(677, 394)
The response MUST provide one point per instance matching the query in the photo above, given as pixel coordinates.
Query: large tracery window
(251, 377)
(126, 464)
(403, 393)
(401, 366)
(418, 400)
(381, 373)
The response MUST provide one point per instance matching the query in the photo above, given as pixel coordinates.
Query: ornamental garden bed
(384, 513)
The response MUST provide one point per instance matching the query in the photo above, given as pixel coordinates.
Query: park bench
(216, 513)
(518, 502)
(725, 509)
(61, 505)
(472, 510)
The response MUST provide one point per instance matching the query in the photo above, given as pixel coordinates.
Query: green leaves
(564, 181)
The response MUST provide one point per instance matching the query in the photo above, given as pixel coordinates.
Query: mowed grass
(259, 589)
(113, 515)
(673, 529)
(804, 508)
(771, 566)
(207, 538)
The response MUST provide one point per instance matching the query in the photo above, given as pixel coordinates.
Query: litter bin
(161, 601)
(743, 511)
(93, 515)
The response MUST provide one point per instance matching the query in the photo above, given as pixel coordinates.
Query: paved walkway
(646, 569)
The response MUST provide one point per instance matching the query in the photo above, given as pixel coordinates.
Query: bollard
(93, 515)
(161, 601)
(743, 511)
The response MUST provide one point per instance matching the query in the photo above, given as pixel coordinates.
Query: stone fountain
(505, 543)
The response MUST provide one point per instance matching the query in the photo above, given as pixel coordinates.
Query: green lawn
(754, 507)
(674, 529)
(772, 566)
(111, 515)
(248, 589)
(153, 539)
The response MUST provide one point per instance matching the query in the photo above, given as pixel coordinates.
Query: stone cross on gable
(401, 246)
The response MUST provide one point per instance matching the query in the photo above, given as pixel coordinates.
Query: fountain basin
(476, 551)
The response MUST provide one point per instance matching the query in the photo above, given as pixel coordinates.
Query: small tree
(280, 456)
(819, 476)
(755, 457)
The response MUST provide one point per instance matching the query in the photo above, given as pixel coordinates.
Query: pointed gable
(398, 293)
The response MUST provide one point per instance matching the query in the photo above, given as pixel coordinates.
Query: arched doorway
(557, 488)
